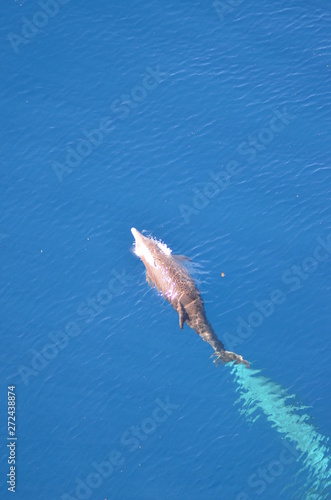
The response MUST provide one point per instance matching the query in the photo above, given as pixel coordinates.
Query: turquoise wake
(260, 394)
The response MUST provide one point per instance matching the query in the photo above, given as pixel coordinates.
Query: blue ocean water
(208, 125)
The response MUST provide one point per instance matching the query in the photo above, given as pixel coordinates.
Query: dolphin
(169, 275)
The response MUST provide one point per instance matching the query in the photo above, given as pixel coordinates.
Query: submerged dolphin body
(171, 278)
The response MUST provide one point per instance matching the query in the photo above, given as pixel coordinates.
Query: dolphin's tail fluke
(223, 356)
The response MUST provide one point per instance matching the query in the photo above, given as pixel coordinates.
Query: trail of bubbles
(260, 394)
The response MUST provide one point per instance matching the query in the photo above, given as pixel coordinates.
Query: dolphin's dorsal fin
(181, 258)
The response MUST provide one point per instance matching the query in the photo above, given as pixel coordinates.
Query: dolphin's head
(149, 250)
(142, 247)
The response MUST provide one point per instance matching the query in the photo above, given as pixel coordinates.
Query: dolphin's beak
(138, 237)
(135, 233)
(139, 242)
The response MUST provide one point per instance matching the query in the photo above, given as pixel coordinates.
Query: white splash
(164, 248)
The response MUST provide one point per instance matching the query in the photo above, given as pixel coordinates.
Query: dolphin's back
(172, 278)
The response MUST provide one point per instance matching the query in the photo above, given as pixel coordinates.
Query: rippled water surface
(207, 125)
